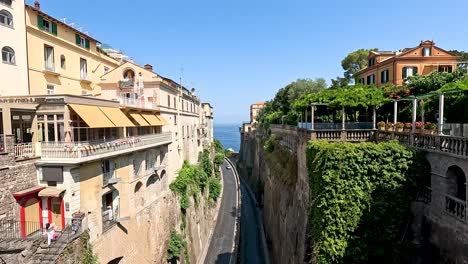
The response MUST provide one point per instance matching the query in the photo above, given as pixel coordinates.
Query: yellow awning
(152, 119)
(51, 192)
(140, 120)
(162, 119)
(92, 115)
(117, 117)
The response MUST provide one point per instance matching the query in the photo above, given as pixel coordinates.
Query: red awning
(32, 190)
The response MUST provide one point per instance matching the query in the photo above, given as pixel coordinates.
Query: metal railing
(455, 207)
(440, 143)
(18, 230)
(24, 150)
(424, 195)
(127, 83)
(109, 218)
(79, 150)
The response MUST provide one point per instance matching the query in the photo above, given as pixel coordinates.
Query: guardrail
(24, 150)
(455, 207)
(79, 150)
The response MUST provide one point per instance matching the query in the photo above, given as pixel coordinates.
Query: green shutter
(87, 43)
(404, 72)
(40, 22)
(415, 70)
(77, 39)
(54, 28)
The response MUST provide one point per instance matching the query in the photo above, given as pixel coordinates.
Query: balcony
(455, 207)
(126, 83)
(84, 78)
(127, 101)
(78, 152)
(49, 69)
(109, 177)
(24, 151)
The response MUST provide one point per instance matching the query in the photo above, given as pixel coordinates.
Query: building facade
(387, 67)
(14, 65)
(62, 60)
(254, 109)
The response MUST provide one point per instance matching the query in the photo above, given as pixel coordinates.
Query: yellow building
(62, 60)
(13, 68)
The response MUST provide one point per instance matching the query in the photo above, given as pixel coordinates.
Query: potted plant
(389, 126)
(407, 127)
(430, 128)
(399, 127)
(419, 127)
(381, 125)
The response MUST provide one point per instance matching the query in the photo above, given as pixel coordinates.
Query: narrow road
(221, 248)
(251, 245)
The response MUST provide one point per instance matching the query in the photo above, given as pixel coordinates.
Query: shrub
(430, 126)
(388, 125)
(219, 159)
(214, 187)
(176, 244)
(381, 124)
(399, 125)
(419, 125)
(408, 126)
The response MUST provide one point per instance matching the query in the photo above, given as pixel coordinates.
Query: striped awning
(92, 115)
(117, 116)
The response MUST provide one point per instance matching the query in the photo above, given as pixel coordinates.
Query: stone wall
(285, 201)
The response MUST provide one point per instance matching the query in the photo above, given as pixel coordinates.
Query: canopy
(140, 120)
(117, 116)
(162, 119)
(51, 192)
(152, 119)
(92, 115)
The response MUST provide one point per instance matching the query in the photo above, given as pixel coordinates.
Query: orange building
(388, 67)
(254, 109)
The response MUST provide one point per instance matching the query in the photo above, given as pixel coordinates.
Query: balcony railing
(49, 66)
(127, 101)
(448, 144)
(455, 207)
(24, 150)
(127, 83)
(108, 178)
(109, 218)
(342, 135)
(83, 151)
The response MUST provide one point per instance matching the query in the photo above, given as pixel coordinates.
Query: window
(46, 25)
(49, 58)
(427, 51)
(175, 119)
(445, 68)
(6, 18)
(106, 70)
(384, 76)
(168, 101)
(50, 89)
(371, 79)
(82, 42)
(175, 102)
(8, 55)
(149, 161)
(83, 69)
(62, 62)
(371, 62)
(409, 71)
(6, 2)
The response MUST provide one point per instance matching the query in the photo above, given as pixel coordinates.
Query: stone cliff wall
(280, 181)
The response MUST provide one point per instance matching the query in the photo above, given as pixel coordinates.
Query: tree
(463, 56)
(355, 61)
(304, 86)
(339, 82)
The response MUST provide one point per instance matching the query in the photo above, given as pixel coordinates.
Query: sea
(228, 134)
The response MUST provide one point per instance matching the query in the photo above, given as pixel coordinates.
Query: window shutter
(404, 72)
(54, 28)
(415, 70)
(87, 43)
(40, 22)
(77, 39)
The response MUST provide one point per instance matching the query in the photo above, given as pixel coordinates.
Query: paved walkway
(221, 248)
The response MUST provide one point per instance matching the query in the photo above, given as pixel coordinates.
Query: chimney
(37, 5)
(148, 67)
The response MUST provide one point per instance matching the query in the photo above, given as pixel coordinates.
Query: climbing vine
(176, 244)
(360, 197)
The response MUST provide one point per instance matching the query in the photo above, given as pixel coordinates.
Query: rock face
(280, 181)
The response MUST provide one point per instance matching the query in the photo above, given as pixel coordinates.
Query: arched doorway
(116, 261)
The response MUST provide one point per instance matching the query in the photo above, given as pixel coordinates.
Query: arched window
(163, 174)
(151, 180)
(6, 18)
(138, 187)
(8, 55)
(456, 182)
(129, 74)
(6, 2)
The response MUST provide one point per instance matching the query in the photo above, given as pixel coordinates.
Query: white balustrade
(24, 150)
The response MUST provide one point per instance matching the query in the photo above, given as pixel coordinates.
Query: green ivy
(360, 197)
(176, 244)
(206, 163)
(219, 158)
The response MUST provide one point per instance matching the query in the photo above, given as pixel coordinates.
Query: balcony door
(83, 69)
(49, 58)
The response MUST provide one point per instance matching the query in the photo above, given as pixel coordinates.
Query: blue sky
(239, 52)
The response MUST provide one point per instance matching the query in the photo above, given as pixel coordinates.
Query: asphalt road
(251, 244)
(221, 247)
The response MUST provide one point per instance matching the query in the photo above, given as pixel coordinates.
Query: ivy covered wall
(360, 201)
